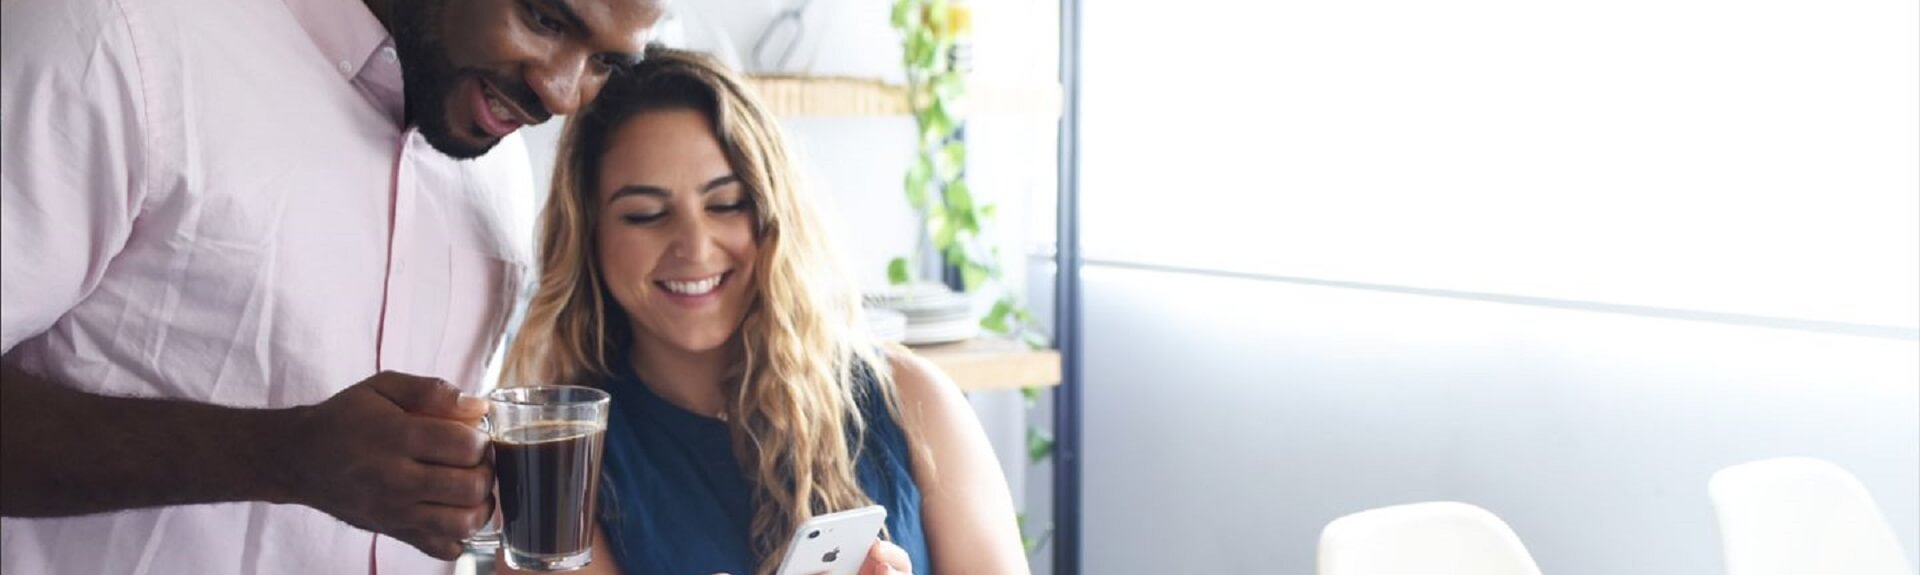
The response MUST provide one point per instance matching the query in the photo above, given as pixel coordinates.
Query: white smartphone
(835, 543)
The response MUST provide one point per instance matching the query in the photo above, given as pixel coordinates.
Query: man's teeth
(499, 110)
(698, 287)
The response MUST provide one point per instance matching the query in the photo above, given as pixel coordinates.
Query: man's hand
(395, 454)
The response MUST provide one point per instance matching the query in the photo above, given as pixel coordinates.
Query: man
(237, 271)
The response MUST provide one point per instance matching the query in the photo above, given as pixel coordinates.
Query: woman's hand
(885, 558)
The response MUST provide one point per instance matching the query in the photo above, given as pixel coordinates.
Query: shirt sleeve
(72, 169)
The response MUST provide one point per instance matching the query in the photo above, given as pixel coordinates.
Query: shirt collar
(346, 31)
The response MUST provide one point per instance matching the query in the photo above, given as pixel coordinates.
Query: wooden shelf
(991, 363)
(829, 96)
(842, 96)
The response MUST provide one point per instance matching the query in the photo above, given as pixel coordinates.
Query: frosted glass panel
(1241, 416)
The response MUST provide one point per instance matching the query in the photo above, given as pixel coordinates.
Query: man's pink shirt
(217, 201)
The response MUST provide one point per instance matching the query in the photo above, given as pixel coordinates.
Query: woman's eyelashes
(646, 218)
(641, 219)
(739, 205)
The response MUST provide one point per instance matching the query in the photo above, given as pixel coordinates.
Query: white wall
(1562, 260)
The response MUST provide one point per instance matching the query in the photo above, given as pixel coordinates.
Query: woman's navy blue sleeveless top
(673, 500)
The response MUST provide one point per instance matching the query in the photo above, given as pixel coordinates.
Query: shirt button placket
(398, 326)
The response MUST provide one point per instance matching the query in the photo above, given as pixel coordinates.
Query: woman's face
(676, 231)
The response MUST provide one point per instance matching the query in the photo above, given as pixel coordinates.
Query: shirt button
(389, 55)
(346, 67)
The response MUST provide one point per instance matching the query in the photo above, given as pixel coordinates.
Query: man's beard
(430, 79)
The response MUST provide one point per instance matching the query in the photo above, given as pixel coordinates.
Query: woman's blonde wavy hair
(793, 409)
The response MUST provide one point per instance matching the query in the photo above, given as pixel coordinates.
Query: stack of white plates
(886, 325)
(934, 313)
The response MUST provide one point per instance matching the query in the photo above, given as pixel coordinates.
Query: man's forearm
(65, 452)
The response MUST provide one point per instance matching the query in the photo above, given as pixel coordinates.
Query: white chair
(1436, 538)
(1801, 516)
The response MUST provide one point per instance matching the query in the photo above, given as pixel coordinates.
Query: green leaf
(917, 195)
(955, 155)
(996, 320)
(959, 199)
(970, 222)
(927, 54)
(1039, 445)
(899, 272)
(928, 136)
(939, 227)
(972, 275)
(954, 254)
(918, 177)
(949, 86)
(937, 12)
(902, 10)
(935, 127)
(1035, 340)
(1026, 541)
(912, 47)
(936, 211)
(989, 212)
(973, 255)
(1031, 394)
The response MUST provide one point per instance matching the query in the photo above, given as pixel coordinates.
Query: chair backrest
(1434, 538)
(1801, 516)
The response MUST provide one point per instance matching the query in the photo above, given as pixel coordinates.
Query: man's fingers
(439, 547)
(411, 392)
(444, 549)
(457, 486)
(445, 442)
(450, 550)
(446, 522)
(428, 396)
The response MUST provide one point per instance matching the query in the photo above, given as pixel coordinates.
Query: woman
(685, 273)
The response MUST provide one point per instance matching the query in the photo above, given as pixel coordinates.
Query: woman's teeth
(696, 287)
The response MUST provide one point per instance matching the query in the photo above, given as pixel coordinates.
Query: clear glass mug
(547, 446)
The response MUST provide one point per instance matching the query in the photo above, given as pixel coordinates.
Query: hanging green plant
(933, 35)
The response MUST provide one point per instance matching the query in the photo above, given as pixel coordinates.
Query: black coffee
(549, 475)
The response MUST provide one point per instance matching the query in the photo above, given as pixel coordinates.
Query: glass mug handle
(486, 540)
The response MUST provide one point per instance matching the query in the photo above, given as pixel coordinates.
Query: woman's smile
(695, 292)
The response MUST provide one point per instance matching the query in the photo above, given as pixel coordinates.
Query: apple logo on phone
(831, 556)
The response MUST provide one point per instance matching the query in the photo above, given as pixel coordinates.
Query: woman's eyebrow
(717, 183)
(657, 191)
(638, 190)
